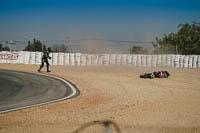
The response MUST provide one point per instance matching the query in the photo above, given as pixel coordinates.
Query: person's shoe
(39, 70)
(48, 69)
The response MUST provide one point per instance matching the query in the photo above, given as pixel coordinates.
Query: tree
(4, 48)
(138, 50)
(1, 46)
(35, 46)
(61, 48)
(185, 41)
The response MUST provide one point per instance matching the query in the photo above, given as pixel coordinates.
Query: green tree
(1, 46)
(185, 41)
(138, 50)
(35, 46)
(4, 48)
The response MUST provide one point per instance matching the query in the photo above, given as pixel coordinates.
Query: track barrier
(79, 59)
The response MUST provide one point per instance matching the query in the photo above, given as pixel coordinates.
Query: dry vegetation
(116, 93)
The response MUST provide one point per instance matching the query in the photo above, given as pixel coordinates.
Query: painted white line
(61, 99)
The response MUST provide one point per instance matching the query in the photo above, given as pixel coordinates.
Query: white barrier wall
(38, 57)
(149, 57)
(168, 60)
(154, 61)
(134, 60)
(60, 58)
(112, 59)
(143, 60)
(182, 60)
(190, 61)
(118, 59)
(66, 58)
(89, 60)
(106, 58)
(100, 59)
(139, 60)
(198, 61)
(123, 60)
(176, 61)
(129, 60)
(3, 57)
(12, 57)
(71, 59)
(83, 59)
(163, 60)
(159, 59)
(186, 61)
(78, 59)
(172, 60)
(54, 59)
(194, 63)
(32, 58)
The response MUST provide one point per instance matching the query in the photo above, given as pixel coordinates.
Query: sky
(126, 20)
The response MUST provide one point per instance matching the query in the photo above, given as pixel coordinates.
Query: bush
(35, 46)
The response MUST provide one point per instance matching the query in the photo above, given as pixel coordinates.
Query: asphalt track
(19, 90)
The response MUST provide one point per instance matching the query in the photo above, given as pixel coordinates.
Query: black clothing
(46, 55)
(159, 74)
(44, 59)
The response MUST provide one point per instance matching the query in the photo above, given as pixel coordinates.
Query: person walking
(45, 58)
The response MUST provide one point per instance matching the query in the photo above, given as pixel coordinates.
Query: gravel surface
(114, 93)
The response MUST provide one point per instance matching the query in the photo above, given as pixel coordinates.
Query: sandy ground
(118, 94)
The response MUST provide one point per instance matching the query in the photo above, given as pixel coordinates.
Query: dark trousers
(44, 60)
